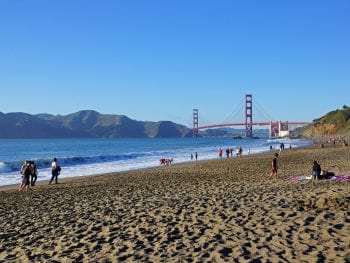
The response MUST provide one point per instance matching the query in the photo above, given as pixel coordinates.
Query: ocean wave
(15, 166)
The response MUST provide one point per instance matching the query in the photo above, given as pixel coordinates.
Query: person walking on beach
(55, 170)
(25, 171)
(33, 173)
(191, 157)
(316, 171)
(274, 166)
(196, 155)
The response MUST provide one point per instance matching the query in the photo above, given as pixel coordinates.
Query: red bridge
(276, 128)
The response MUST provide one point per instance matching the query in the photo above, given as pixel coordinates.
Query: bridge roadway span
(253, 124)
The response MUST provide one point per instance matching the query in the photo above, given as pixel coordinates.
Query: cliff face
(333, 123)
(85, 124)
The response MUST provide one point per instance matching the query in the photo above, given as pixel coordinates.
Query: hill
(85, 124)
(333, 123)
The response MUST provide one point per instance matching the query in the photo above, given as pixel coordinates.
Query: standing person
(316, 170)
(55, 170)
(191, 156)
(227, 152)
(220, 152)
(33, 173)
(196, 155)
(274, 166)
(25, 171)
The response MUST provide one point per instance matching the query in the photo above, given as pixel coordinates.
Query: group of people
(29, 174)
(229, 152)
(165, 161)
(316, 172)
(194, 156)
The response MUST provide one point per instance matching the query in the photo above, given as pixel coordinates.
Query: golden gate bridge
(276, 128)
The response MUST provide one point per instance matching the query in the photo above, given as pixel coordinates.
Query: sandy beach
(210, 211)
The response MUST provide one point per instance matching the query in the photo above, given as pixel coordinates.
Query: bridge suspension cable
(235, 113)
(265, 115)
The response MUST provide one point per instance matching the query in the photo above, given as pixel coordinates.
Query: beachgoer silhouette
(196, 155)
(55, 170)
(274, 166)
(316, 171)
(220, 152)
(25, 171)
(33, 173)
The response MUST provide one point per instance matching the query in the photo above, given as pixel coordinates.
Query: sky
(158, 60)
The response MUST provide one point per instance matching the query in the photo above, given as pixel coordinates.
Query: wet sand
(212, 211)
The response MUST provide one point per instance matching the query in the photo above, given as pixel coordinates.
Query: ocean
(82, 157)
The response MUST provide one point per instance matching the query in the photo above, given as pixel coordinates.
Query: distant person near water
(220, 152)
(56, 169)
(196, 155)
(274, 166)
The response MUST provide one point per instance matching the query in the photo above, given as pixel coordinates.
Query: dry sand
(213, 211)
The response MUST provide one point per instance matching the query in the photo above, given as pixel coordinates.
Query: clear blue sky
(157, 60)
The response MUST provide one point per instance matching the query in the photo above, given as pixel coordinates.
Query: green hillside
(333, 123)
(85, 124)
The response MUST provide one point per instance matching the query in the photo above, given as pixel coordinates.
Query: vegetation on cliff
(333, 123)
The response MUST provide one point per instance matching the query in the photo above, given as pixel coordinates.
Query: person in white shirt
(55, 170)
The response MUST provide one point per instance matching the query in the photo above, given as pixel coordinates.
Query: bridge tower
(248, 116)
(195, 123)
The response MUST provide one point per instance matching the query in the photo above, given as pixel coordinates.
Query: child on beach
(274, 166)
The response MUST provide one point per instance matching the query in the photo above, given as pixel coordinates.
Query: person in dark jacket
(33, 173)
(316, 171)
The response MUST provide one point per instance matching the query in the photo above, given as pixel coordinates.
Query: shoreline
(100, 164)
(69, 178)
(217, 210)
